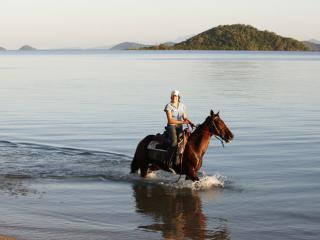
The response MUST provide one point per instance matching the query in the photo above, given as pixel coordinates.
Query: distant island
(135, 46)
(312, 45)
(27, 48)
(128, 46)
(314, 41)
(223, 37)
(236, 37)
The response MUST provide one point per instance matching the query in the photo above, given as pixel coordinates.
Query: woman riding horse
(194, 151)
(176, 116)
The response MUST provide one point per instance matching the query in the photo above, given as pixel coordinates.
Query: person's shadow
(177, 214)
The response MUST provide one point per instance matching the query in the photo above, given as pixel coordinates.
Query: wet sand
(6, 238)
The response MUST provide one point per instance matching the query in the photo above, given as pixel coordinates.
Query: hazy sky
(89, 23)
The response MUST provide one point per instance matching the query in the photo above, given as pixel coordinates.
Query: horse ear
(211, 113)
(218, 113)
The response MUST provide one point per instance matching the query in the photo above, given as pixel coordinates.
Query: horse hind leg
(144, 170)
(152, 168)
(147, 167)
(136, 165)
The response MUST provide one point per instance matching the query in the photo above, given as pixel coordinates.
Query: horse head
(218, 128)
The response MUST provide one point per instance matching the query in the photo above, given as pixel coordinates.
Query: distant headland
(27, 48)
(313, 45)
(128, 45)
(134, 45)
(236, 37)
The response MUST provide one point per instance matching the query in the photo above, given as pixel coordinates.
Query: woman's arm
(171, 120)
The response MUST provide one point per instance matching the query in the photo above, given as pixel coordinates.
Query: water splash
(169, 180)
(204, 183)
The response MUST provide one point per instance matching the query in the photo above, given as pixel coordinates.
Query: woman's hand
(187, 121)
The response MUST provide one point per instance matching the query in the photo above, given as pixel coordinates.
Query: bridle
(211, 130)
(219, 137)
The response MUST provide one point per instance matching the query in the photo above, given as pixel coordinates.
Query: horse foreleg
(192, 175)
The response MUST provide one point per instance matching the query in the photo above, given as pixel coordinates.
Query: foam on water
(173, 181)
(204, 183)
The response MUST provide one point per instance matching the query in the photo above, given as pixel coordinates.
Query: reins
(219, 134)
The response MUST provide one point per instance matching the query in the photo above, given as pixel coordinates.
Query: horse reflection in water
(178, 214)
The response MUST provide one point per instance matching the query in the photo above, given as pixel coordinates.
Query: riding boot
(171, 158)
(177, 157)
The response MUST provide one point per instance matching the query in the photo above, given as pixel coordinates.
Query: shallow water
(70, 122)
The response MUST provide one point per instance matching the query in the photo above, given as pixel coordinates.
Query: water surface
(70, 122)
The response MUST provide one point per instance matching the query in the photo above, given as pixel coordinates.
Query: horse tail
(134, 164)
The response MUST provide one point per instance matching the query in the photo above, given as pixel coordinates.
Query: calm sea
(70, 122)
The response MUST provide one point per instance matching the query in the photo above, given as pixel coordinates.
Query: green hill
(237, 37)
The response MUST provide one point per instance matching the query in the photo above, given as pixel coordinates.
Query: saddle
(159, 149)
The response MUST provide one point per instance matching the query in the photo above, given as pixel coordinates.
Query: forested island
(236, 37)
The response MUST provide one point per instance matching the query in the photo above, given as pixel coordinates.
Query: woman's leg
(173, 135)
(173, 144)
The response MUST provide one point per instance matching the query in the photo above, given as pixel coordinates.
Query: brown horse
(195, 148)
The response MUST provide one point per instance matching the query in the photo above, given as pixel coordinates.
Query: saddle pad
(153, 146)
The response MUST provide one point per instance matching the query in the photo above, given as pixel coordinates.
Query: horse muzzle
(228, 138)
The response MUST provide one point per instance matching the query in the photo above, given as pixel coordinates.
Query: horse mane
(201, 126)
(196, 134)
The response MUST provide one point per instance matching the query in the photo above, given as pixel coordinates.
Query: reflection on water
(177, 213)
